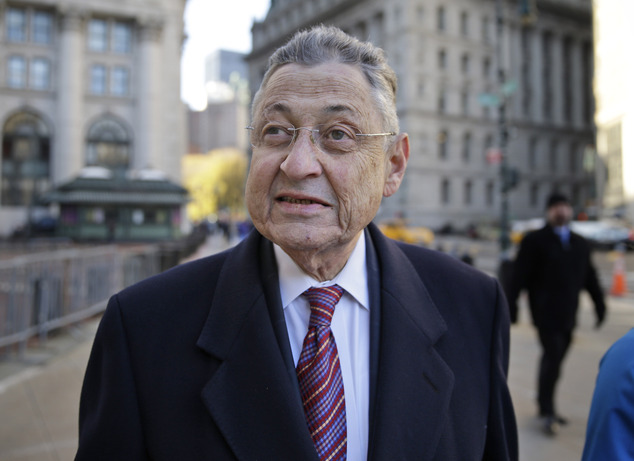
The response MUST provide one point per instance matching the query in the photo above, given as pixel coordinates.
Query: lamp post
(505, 179)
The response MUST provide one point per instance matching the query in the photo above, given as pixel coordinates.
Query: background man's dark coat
(554, 277)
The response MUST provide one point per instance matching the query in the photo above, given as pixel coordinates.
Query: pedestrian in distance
(610, 431)
(554, 264)
(316, 337)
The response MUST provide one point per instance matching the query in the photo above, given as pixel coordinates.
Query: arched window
(25, 159)
(108, 145)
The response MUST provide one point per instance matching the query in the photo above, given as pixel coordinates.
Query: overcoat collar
(254, 400)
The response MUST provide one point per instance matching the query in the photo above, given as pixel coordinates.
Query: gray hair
(322, 44)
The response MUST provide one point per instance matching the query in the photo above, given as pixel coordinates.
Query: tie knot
(322, 303)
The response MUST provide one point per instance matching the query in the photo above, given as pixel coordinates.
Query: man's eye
(338, 133)
(274, 130)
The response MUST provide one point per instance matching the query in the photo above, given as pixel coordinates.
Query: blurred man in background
(554, 264)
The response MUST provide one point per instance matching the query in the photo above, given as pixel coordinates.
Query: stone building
(615, 106)
(86, 83)
(446, 58)
(221, 123)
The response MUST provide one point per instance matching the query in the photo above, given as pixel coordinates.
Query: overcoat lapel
(414, 383)
(251, 396)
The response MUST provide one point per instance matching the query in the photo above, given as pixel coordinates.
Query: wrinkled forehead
(287, 110)
(323, 91)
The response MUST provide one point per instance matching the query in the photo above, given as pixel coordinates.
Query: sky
(211, 25)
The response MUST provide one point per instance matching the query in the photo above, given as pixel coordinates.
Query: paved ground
(39, 395)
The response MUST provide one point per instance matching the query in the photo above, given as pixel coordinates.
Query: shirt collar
(353, 278)
(562, 230)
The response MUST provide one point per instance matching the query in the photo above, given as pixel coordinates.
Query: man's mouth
(297, 201)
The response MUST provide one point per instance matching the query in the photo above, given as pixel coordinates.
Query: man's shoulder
(181, 277)
(537, 236)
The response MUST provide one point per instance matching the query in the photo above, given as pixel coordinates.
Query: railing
(45, 291)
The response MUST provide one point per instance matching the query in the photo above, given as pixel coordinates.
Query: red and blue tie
(320, 380)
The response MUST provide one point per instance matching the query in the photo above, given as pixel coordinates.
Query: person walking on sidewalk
(554, 264)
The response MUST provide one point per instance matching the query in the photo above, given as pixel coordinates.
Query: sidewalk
(39, 396)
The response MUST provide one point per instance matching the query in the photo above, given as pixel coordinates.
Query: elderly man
(316, 337)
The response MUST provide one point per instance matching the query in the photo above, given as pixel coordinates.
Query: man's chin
(302, 236)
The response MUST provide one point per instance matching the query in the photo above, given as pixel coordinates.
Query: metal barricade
(45, 291)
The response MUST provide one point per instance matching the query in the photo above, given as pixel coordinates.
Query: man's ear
(397, 163)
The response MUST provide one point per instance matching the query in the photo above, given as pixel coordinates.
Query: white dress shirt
(350, 327)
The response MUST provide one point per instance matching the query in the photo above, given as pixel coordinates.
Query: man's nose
(302, 159)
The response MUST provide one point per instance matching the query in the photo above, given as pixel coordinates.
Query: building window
(464, 102)
(486, 68)
(443, 145)
(108, 145)
(466, 147)
(17, 72)
(42, 27)
(534, 195)
(573, 162)
(119, 81)
(464, 64)
(442, 102)
(552, 156)
(488, 144)
(16, 25)
(442, 59)
(40, 74)
(122, 38)
(98, 79)
(98, 35)
(421, 90)
(441, 20)
(532, 153)
(468, 192)
(464, 24)
(489, 193)
(445, 192)
(25, 159)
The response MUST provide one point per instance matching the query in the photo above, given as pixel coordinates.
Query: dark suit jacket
(191, 365)
(554, 277)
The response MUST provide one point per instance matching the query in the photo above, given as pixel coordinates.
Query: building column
(557, 80)
(69, 128)
(537, 84)
(577, 91)
(515, 57)
(148, 151)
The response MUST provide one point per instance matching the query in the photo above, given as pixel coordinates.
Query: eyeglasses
(330, 138)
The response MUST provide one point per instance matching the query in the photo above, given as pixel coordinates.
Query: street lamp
(509, 176)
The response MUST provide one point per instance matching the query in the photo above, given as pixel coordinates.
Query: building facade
(446, 57)
(615, 106)
(86, 83)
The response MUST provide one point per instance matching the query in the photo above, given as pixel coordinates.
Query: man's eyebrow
(337, 109)
(278, 107)
(281, 108)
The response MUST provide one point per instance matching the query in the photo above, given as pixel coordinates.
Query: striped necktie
(320, 380)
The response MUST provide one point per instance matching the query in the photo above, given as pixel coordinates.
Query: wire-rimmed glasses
(328, 138)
